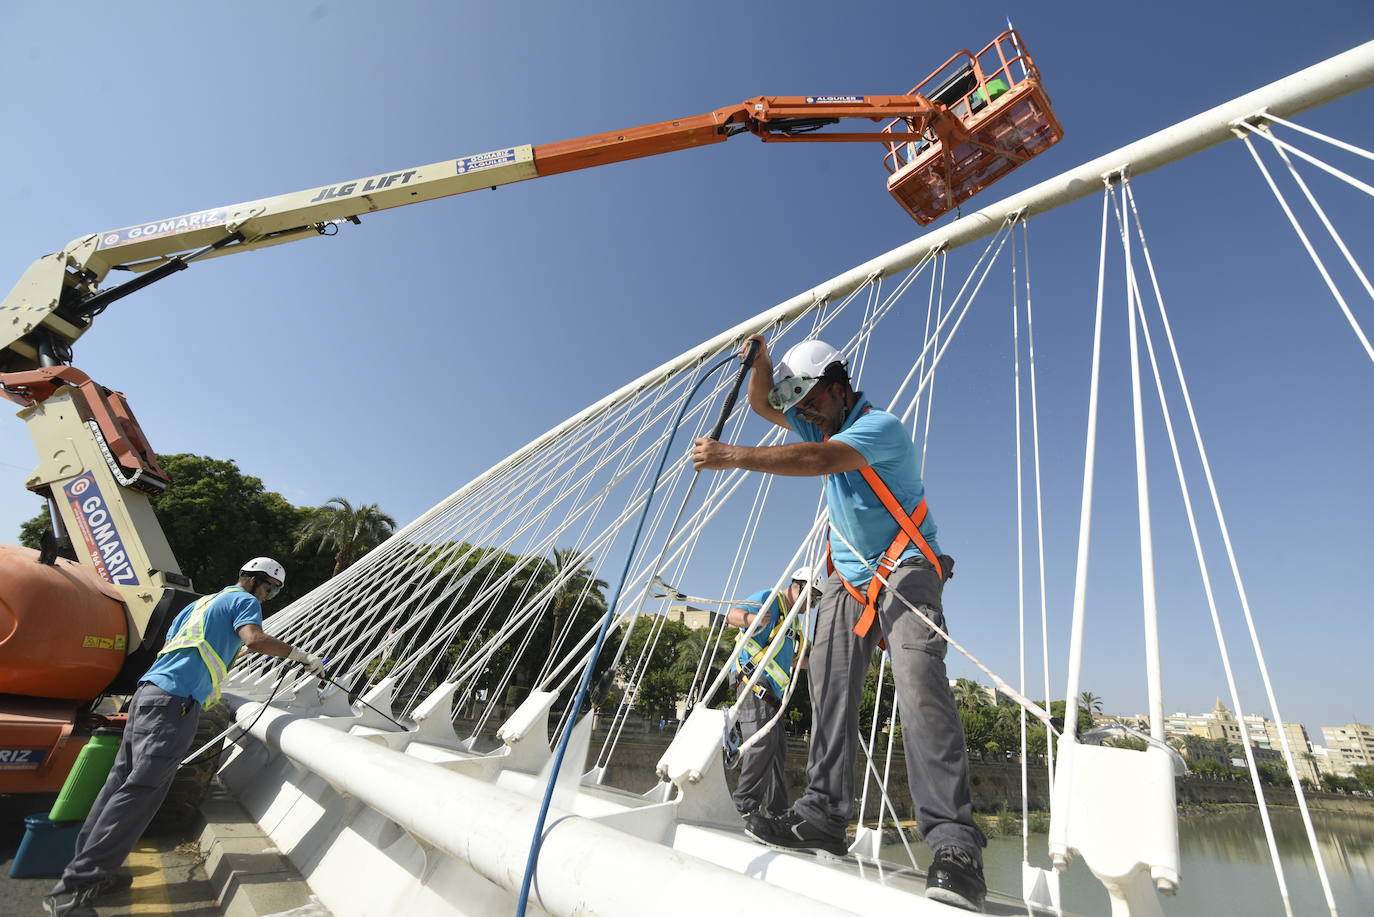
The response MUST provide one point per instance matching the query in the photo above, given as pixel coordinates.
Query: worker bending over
(876, 502)
(163, 714)
(760, 787)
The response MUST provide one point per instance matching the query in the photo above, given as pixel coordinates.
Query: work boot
(791, 831)
(956, 878)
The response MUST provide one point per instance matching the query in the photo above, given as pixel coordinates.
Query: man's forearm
(268, 645)
(796, 459)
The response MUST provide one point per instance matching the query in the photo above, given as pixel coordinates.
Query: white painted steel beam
(1314, 86)
(584, 867)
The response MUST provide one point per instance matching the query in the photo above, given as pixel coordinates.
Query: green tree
(689, 652)
(659, 687)
(1364, 773)
(348, 531)
(31, 531)
(1271, 772)
(657, 694)
(979, 727)
(969, 695)
(1195, 747)
(1090, 702)
(580, 594)
(1333, 784)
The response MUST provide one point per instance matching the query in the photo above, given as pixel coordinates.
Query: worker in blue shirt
(889, 572)
(760, 787)
(163, 712)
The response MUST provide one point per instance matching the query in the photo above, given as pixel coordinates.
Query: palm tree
(969, 695)
(689, 652)
(348, 532)
(581, 591)
(1090, 702)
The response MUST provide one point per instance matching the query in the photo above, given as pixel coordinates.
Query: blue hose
(537, 841)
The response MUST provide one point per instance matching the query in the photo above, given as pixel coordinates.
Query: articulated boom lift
(85, 616)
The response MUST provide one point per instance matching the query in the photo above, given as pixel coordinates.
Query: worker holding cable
(163, 712)
(887, 585)
(760, 787)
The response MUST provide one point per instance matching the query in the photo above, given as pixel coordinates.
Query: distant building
(1349, 746)
(693, 618)
(1219, 725)
(1262, 734)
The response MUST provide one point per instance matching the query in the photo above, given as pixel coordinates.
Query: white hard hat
(801, 368)
(265, 565)
(813, 578)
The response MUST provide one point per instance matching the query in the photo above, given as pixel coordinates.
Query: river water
(1226, 866)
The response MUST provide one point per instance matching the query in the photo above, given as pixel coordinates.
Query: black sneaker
(956, 878)
(70, 904)
(791, 831)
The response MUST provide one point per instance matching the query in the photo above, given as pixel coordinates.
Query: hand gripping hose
(726, 408)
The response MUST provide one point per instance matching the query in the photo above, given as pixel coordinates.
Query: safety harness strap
(908, 532)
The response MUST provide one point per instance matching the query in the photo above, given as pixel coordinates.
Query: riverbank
(995, 787)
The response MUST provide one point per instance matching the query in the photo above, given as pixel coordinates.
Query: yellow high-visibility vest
(757, 649)
(192, 637)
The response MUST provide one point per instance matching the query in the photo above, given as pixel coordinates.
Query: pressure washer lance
(244, 730)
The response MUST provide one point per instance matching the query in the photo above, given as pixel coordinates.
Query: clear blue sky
(396, 361)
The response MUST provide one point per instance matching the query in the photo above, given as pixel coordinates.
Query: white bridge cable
(1341, 144)
(1080, 586)
(458, 585)
(939, 306)
(582, 547)
(1185, 491)
(1306, 243)
(394, 546)
(1020, 551)
(1039, 502)
(1282, 150)
(873, 731)
(1149, 605)
(1326, 167)
(1000, 239)
(492, 645)
(1235, 572)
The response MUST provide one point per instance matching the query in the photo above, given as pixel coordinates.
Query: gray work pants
(760, 783)
(932, 733)
(161, 728)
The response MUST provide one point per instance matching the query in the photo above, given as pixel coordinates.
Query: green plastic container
(87, 776)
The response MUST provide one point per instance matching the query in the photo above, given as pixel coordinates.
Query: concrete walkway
(231, 869)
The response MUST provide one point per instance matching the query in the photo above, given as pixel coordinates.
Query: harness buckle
(888, 563)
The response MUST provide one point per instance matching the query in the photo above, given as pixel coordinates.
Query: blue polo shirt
(181, 672)
(855, 509)
(787, 653)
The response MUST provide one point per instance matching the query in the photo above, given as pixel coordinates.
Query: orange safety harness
(908, 532)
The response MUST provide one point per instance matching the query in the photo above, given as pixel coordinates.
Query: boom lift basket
(1005, 119)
